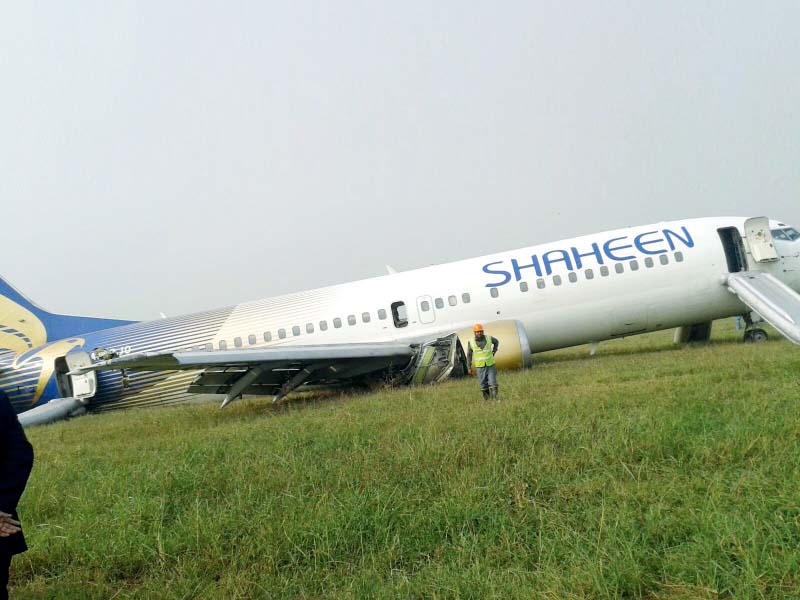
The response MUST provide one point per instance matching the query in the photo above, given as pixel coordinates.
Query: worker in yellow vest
(480, 358)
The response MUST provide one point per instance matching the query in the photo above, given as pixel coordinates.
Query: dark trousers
(5, 565)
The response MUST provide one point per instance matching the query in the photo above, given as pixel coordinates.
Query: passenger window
(323, 326)
(223, 345)
(619, 268)
(494, 292)
(679, 257)
(251, 339)
(589, 274)
(337, 322)
(295, 330)
(663, 259)
(523, 286)
(281, 333)
(382, 314)
(424, 306)
(604, 271)
(465, 298)
(648, 262)
(399, 314)
(573, 277)
(237, 341)
(556, 279)
(267, 336)
(540, 284)
(309, 328)
(439, 303)
(351, 319)
(208, 346)
(365, 317)
(634, 265)
(792, 234)
(452, 300)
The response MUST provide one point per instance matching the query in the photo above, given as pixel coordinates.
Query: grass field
(647, 471)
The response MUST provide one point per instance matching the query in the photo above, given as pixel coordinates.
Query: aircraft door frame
(426, 316)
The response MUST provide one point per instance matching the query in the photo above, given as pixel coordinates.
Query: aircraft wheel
(755, 336)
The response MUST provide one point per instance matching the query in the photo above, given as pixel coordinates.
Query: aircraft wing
(278, 370)
(777, 303)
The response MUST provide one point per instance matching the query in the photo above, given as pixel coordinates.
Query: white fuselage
(630, 281)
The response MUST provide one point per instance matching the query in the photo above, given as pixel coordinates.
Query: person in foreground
(480, 358)
(16, 462)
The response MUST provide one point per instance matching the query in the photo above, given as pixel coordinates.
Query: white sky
(178, 156)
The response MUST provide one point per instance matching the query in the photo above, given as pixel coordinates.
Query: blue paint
(617, 249)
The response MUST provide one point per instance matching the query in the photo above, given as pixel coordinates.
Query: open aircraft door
(759, 238)
(83, 386)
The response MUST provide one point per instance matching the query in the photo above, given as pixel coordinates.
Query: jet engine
(515, 349)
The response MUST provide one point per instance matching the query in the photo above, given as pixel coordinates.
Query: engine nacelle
(514, 351)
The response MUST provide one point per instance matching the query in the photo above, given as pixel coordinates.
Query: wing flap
(777, 303)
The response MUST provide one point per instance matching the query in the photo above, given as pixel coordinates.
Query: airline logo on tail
(20, 329)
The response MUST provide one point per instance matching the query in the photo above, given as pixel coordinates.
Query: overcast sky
(178, 156)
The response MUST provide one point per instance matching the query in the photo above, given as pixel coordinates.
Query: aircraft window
(337, 322)
(452, 301)
(540, 284)
(424, 306)
(634, 265)
(281, 333)
(382, 314)
(648, 262)
(494, 292)
(267, 336)
(619, 268)
(662, 258)
(589, 274)
(604, 271)
(523, 286)
(237, 341)
(323, 326)
(351, 319)
(679, 257)
(439, 303)
(208, 346)
(399, 314)
(223, 345)
(309, 328)
(556, 279)
(792, 234)
(573, 276)
(365, 317)
(251, 339)
(296, 330)
(779, 234)
(465, 298)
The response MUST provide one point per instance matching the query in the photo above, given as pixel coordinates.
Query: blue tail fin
(24, 325)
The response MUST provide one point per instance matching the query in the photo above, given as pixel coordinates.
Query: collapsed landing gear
(755, 336)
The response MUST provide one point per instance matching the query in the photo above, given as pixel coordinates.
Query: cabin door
(759, 238)
(75, 386)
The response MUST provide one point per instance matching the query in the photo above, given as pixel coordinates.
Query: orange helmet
(478, 327)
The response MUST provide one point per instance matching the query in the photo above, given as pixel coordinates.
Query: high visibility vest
(482, 357)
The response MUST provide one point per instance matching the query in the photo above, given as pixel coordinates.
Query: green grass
(647, 471)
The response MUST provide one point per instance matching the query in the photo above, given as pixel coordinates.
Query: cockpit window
(787, 233)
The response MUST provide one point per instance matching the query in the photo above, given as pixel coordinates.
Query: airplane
(411, 326)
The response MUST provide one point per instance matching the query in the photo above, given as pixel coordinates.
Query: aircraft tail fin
(25, 325)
